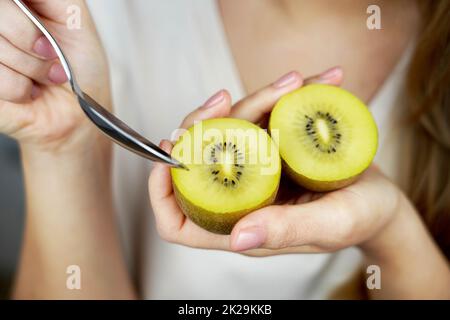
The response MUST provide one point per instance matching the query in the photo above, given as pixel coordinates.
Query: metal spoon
(112, 126)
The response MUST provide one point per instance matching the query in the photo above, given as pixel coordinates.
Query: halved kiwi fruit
(234, 168)
(327, 136)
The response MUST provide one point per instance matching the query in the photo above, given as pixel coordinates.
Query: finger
(261, 252)
(14, 87)
(333, 76)
(158, 180)
(217, 106)
(43, 49)
(196, 237)
(308, 197)
(278, 227)
(169, 217)
(17, 28)
(23, 63)
(255, 106)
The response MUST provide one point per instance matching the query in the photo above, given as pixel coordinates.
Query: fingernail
(331, 73)
(214, 100)
(286, 80)
(164, 144)
(57, 74)
(35, 92)
(43, 48)
(249, 238)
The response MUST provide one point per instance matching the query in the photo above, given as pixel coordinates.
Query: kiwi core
(323, 131)
(225, 159)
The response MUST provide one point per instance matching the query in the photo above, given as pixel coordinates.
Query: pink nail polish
(214, 100)
(249, 238)
(286, 80)
(43, 48)
(331, 73)
(57, 74)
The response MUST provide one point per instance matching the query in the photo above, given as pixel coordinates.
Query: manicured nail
(43, 48)
(165, 145)
(214, 100)
(57, 74)
(331, 73)
(249, 238)
(286, 80)
(35, 91)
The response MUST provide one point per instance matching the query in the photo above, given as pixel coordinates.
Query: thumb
(277, 227)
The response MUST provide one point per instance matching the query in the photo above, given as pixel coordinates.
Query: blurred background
(11, 212)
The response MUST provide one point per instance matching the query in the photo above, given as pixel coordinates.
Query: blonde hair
(427, 105)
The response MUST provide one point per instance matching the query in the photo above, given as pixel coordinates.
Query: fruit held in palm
(327, 136)
(234, 168)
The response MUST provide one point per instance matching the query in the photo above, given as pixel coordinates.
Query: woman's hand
(66, 160)
(35, 108)
(300, 221)
(372, 213)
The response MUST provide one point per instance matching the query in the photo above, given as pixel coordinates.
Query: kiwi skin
(220, 223)
(316, 185)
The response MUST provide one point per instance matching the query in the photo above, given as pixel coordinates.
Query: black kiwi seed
(311, 132)
(218, 175)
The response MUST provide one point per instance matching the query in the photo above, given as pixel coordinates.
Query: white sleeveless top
(166, 58)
